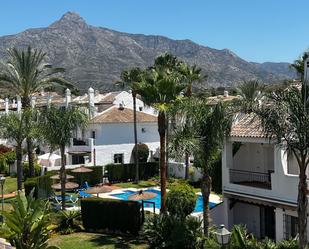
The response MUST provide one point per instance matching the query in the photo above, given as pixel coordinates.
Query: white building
(260, 182)
(109, 138)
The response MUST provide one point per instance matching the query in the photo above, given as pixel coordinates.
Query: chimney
(121, 106)
(67, 97)
(33, 101)
(91, 102)
(18, 104)
(6, 105)
(226, 93)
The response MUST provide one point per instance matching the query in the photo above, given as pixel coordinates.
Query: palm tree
(28, 225)
(298, 64)
(13, 126)
(26, 73)
(250, 94)
(203, 135)
(131, 79)
(285, 117)
(160, 86)
(57, 126)
(192, 74)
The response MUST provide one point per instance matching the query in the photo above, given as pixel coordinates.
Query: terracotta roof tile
(125, 115)
(247, 125)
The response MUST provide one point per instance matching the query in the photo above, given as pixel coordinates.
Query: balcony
(251, 179)
(81, 146)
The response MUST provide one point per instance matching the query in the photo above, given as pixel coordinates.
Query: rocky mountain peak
(70, 19)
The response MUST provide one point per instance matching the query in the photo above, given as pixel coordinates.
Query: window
(93, 134)
(290, 224)
(118, 158)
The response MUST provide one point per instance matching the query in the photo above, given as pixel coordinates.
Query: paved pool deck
(212, 198)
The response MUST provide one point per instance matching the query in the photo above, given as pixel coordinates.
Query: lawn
(141, 184)
(10, 185)
(99, 241)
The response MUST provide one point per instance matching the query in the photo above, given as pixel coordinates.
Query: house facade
(260, 182)
(109, 138)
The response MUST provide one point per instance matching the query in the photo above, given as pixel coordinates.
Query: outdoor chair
(83, 194)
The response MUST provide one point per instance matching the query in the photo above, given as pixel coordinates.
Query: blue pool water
(157, 200)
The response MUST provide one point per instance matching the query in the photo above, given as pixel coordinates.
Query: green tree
(191, 74)
(298, 64)
(250, 94)
(206, 131)
(285, 117)
(160, 86)
(28, 225)
(25, 73)
(131, 79)
(13, 126)
(57, 126)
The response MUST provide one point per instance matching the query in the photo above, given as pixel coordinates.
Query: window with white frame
(118, 158)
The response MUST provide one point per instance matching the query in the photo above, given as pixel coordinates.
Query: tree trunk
(27, 105)
(187, 163)
(302, 206)
(162, 130)
(62, 177)
(18, 152)
(206, 188)
(135, 139)
(30, 156)
(166, 145)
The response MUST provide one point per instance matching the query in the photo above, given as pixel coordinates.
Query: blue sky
(256, 30)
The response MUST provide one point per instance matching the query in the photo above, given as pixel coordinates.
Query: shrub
(37, 169)
(143, 152)
(126, 172)
(68, 221)
(180, 200)
(163, 231)
(6, 158)
(41, 185)
(109, 214)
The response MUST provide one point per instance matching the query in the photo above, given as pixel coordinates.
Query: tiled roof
(122, 115)
(247, 125)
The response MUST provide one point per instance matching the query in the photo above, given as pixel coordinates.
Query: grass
(99, 241)
(10, 185)
(141, 184)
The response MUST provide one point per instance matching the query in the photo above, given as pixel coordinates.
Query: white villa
(109, 137)
(260, 182)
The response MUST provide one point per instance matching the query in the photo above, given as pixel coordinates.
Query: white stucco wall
(105, 153)
(126, 99)
(254, 157)
(123, 133)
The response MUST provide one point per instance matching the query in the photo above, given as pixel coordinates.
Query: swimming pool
(157, 200)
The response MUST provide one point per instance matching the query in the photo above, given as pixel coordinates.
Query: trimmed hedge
(41, 185)
(126, 172)
(109, 214)
(92, 178)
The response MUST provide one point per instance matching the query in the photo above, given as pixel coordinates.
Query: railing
(78, 142)
(250, 178)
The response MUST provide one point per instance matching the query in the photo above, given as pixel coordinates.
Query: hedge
(92, 178)
(99, 215)
(126, 172)
(42, 184)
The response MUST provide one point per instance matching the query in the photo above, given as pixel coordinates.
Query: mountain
(95, 56)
